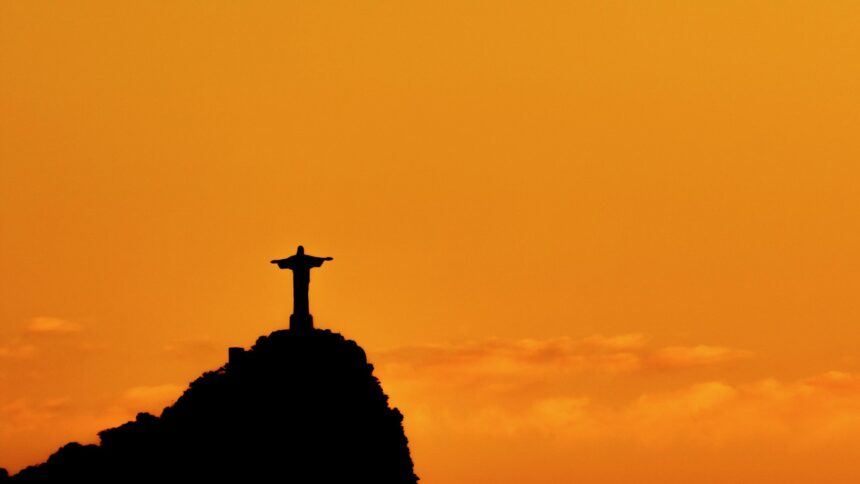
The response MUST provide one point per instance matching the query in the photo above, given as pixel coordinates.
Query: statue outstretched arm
(318, 261)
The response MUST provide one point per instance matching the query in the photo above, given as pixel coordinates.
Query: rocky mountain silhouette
(298, 407)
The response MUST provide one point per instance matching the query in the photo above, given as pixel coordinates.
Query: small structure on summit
(301, 266)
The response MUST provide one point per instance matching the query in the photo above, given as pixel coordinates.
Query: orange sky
(602, 241)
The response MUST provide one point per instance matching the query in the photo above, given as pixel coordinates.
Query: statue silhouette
(301, 405)
(301, 266)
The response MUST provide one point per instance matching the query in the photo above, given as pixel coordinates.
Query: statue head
(300, 251)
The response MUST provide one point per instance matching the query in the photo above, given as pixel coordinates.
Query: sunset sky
(581, 241)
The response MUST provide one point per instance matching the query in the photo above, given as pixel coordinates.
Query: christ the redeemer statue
(301, 266)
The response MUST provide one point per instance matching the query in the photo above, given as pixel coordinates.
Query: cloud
(17, 351)
(835, 381)
(631, 341)
(614, 391)
(499, 366)
(821, 410)
(148, 398)
(33, 429)
(46, 325)
(495, 358)
(193, 349)
(794, 415)
(26, 344)
(691, 356)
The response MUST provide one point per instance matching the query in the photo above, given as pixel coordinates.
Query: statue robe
(301, 266)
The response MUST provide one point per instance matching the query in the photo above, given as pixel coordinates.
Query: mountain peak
(299, 406)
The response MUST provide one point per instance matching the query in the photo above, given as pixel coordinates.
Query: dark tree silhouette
(299, 407)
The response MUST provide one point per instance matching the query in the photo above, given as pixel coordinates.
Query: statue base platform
(301, 322)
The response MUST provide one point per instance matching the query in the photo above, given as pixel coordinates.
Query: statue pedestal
(301, 322)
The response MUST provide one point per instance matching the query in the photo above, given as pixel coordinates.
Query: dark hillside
(298, 407)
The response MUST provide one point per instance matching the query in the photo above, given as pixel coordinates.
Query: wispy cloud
(691, 356)
(556, 388)
(193, 348)
(32, 429)
(552, 388)
(609, 354)
(17, 350)
(630, 341)
(26, 344)
(795, 415)
(45, 335)
(150, 398)
(48, 325)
